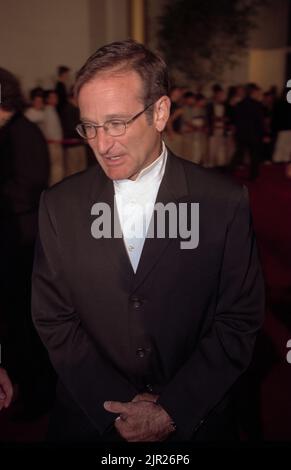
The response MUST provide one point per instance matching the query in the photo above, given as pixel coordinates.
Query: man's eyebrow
(109, 117)
(117, 116)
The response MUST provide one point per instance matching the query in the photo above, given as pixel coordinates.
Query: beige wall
(109, 21)
(267, 67)
(272, 26)
(38, 35)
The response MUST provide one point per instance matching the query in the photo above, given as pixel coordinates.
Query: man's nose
(103, 141)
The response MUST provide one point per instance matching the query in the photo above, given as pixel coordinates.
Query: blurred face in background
(220, 96)
(257, 94)
(38, 102)
(4, 116)
(52, 99)
(65, 77)
(176, 94)
(240, 92)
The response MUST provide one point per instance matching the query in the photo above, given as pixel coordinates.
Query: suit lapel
(112, 249)
(173, 189)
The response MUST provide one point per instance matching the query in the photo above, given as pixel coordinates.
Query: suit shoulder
(212, 181)
(74, 186)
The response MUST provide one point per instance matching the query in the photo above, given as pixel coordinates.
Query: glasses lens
(115, 128)
(87, 131)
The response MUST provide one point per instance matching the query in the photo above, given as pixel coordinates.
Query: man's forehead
(111, 90)
(108, 97)
(116, 78)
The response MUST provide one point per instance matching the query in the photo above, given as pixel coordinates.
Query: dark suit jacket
(249, 120)
(24, 166)
(183, 326)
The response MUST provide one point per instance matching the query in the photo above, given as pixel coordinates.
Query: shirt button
(140, 352)
(130, 247)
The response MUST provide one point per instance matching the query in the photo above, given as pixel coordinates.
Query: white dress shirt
(52, 125)
(135, 200)
(36, 116)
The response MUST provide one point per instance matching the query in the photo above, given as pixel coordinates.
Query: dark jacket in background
(249, 120)
(24, 168)
(62, 95)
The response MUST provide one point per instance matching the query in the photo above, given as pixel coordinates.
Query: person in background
(200, 130)
(62, 86)
(249, 130)
(216, 125)
(281, 127)
(173, 136)
(35, 113)
(268, 140)
(234, 95)
(53, 132)
(24, 166)
(75, 157)
(185, 115)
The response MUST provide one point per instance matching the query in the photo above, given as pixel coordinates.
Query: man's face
(119, 96)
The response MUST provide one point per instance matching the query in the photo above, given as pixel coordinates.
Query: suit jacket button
(136, 302)
(140, 352)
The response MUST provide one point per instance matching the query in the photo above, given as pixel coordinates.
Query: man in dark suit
(147, 324)
(249, 130)
(24, 167)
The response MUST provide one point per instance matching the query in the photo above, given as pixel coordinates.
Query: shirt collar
(152, 172)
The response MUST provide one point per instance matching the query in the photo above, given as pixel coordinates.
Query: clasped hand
(142, 419)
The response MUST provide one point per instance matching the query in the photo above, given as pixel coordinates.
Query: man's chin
(118, 174)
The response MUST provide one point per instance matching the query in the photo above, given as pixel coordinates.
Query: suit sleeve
(20, 192)
(85, 373)
(225, 350)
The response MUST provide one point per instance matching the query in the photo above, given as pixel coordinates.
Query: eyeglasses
(113, 127)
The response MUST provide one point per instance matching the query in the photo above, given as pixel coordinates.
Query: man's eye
(115, 123)
(90, 130)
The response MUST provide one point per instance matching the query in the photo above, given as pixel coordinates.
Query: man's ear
(162, 112)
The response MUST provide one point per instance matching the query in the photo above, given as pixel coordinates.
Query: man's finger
(117, 406)
(145, 397)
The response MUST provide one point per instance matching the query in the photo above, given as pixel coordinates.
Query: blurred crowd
(56, 113)
(231, 127)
